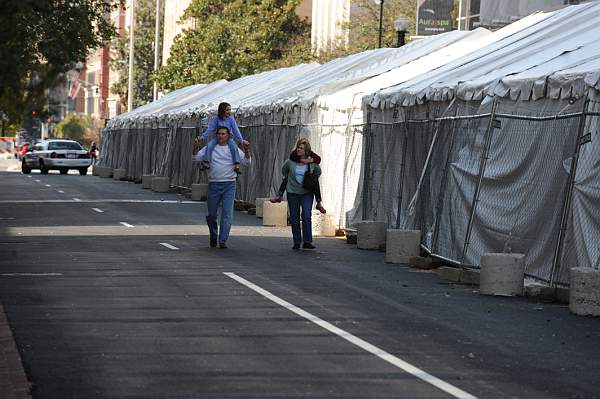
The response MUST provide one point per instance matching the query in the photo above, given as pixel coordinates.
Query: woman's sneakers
(276, 199)
(320, 208)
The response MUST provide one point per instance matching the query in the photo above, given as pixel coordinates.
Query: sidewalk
(13, 381)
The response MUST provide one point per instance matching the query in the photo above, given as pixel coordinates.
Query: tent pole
(367, 168)
(482, 164)
(402, 171)
(564, 219)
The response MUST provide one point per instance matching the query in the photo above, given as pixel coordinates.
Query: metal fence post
(564, 219)
(367, 167)
(482, 164)
(402, 171)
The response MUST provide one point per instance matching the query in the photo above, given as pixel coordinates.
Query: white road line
(126, 224)
(47, 185)
(164, 244)
(37, 180)
(60, 191)
(30, 274)
(401, 364)
(98, 210)
(100, 201)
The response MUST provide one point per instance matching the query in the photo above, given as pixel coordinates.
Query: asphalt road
(101, 308)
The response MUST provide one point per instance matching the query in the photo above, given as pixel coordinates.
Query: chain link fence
(491, 182)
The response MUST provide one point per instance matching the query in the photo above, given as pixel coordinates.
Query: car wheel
(43, 168)
(83, 171)
(63, 171)
(24, 168)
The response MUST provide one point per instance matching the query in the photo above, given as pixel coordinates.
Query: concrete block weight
(104, 171)
(199, 192)
(119, 174)
(502, 274)
(160, 184)
(584, 291)
(323, 224)
(275, 215)
(401, 245)
(259, 206)
(147, 181)
(371, 234)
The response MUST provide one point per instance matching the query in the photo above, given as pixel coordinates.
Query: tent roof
(555, 57)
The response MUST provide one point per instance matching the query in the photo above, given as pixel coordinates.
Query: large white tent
(403, 133)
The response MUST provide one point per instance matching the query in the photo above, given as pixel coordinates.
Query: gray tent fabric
(474, 138)
(501, 12)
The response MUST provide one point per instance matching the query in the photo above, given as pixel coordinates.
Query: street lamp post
(401, 27)
(380, 2)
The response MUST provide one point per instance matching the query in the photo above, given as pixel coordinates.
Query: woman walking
(300, 198)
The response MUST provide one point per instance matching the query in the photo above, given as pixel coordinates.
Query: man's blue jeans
(233, 148)
(221, 193)
(301, 204)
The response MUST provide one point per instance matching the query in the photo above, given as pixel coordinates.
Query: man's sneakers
(276, 199)
(222, 245)
(296, 246)
(213, 243)
(308, 245)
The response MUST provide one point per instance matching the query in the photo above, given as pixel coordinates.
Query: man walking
(221, 186)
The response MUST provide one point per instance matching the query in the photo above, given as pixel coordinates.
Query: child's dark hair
(221, 109)
(223, 128)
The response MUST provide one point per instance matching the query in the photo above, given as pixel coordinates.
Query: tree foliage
(363, 27)
(40, 39)
(145, 23)
(233, 38)
(77, 127)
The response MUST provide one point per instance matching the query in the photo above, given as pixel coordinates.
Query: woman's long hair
(221, 110)
(307, 150)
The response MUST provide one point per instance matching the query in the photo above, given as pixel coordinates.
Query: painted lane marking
(47, 185)
(60, 191)
(37, 180)
(101, 201)
(98, 210)
(401, 364)
(164, 244)
(30, 274)
(126, 224)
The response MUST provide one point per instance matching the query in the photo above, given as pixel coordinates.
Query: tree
(79, 128)
(234, 38)
(145, 23)
(363, 27)
(41, 39)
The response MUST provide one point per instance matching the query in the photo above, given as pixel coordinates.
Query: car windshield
(64, 145)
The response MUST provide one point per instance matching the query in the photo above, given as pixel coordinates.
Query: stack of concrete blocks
(584, 291)
(259, 206)
(199, 192)
(323, 224)
(401, 245)
(160, 184)
(147, 181)
(371, 234)
(119, 174)
(275, 214)
(502, 274)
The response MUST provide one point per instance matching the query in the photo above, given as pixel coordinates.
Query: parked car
(57, 154)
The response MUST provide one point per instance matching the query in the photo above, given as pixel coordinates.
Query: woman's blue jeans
(221, 193)
(301, 205)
